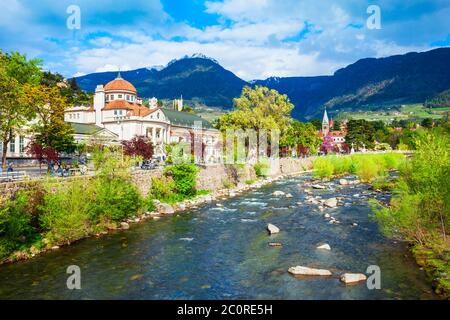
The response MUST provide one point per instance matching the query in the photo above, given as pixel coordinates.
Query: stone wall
(211, 177)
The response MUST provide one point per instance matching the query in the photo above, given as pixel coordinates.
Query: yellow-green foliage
(66, 210)
(366, 166)
(323, 168)
(420, 208)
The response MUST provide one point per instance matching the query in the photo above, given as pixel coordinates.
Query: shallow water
(223, 253)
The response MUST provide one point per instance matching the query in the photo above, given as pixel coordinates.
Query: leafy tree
(51, 129)
(139, 146)
(317, 124)
(15, 111)
(427, 123)
(360, 132)
(302, 135)
(336, 125)
(44, 155)
(259, 108)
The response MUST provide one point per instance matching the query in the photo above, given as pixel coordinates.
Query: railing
(12, 176)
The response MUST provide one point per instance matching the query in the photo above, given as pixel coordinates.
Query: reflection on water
(223, 253)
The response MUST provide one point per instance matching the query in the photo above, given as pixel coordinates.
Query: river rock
(275, 244)
(331, 203)
(165, 208)
(318, 186)
(344, 182)
(352, 278)
(327, 215)
(278, 193)
(55, 247)
(305, 271)
(272, 229)
(289, 195)
(325, 246)
(124, 225)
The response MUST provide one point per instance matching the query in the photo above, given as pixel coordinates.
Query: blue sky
(253, 38)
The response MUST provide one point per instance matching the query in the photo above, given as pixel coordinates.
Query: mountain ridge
(409, 78)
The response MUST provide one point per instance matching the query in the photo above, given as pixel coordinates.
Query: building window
(111, 97)
(128, 97)
(119, 96)
(12, 145)
(21, 144)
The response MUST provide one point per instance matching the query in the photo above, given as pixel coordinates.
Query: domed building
(118, 110)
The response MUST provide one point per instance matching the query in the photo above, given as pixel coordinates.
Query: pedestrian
(10, 167)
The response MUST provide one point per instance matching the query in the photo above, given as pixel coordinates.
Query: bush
(161, 188)
(116, 199)
(368, 170)
(67, 211)
(15, 224)
(185, 177)
(262, 168)
(420, 207)
(323, 168)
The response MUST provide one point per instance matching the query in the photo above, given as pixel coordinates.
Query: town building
(119, 114)
(338, 136)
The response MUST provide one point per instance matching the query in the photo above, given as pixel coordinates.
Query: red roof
(120, 85)
(135, 109)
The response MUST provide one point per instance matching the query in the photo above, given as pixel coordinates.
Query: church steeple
(325, 123)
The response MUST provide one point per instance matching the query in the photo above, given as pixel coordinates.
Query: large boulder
(353, 278)
(278, 193)
(305, 271)
(344, 182)
(124, 226)
(318, 186)
(165, 208)
(272, 229)
(331, 203)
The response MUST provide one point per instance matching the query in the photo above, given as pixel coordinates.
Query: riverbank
(223, 181)
(222, 250)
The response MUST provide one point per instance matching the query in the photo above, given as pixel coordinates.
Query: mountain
(367, 84)
(195, 78)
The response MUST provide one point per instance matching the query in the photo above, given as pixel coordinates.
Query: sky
(255, 39)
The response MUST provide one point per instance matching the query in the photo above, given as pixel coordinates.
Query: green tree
(51, 130)
(259, 108)
(301, 134)
(360, 132)
(15, 111)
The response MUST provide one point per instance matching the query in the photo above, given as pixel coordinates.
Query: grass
(367, 167)
(408, 111)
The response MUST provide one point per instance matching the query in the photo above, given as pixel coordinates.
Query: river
(223, 253)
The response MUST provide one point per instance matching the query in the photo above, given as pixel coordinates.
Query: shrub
(185, 178)
(15, 223)
(66, 211)
(116, 199)
(341, 165)
(161, 188)
(368, 170)
(227, 184)
(393, 160)
(420, 207)
(262, 168)
(323, 168)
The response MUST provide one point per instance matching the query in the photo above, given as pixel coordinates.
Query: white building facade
(118, 109)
